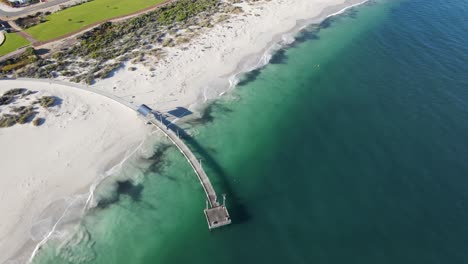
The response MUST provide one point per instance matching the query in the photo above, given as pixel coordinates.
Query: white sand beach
(80, 140)
(87, 133)
(202, 69)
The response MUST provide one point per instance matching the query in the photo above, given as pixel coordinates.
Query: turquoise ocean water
(350, 147)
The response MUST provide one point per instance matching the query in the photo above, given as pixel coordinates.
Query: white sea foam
(66, 225)
(284, 40)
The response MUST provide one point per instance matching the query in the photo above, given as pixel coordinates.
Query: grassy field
(12, 42)
(77, 17)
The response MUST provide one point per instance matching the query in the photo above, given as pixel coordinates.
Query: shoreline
(283, 40)
(66, 156)
(210, 64)
(212, 89)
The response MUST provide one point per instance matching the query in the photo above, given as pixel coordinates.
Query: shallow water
(350, 147)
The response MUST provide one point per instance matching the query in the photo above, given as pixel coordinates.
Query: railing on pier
(216, 215)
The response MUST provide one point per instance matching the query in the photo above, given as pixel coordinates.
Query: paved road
(31, 9)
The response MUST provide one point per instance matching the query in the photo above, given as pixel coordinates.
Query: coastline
(236, 47)
(210, 65)
(49, 167)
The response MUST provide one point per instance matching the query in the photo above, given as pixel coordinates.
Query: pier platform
(217, 216)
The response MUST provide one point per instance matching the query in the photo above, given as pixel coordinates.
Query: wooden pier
(216, 214)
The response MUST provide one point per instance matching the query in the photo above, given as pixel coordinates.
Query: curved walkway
(2, 38)
(216, 214)
(188, 154)
(82, 87)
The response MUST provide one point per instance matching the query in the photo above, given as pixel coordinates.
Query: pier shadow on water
(237, 209)
(122, 188)
(180, 112)
(207, 113)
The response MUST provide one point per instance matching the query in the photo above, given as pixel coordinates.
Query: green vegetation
(109, 40)
(141, 39)
(13, 42)
(7, 120)
(9, 95)
(77, 17)
(32, 20)
(23, 115)
(183, 10)
(14, 91)
(27, 57)
(6, 100)
(46, 101)
(38, 121)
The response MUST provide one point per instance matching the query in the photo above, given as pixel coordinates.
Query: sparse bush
(47, 101)
(4, 100)
(89, 79)
(31, 20)
(25, 117)
(38, 121)
(7, 120)
(27, 93)
(14, 91)
(27, 57)
(117, 40)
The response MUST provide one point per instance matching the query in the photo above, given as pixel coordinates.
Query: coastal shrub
(10, 67)
(27, 57)
(14, 91)
(89, 79)
(38, 121)
(116, 40)
(167, 42)
(9, 95)
(78, 78)
(108, 69)
(46, 101)
(223, 17)
(18, 109)
(5, 100)
(7, 120)
(22, 115)
(182, 40)
(68, 73)
(236, 10)
(31, 20)
(27, 93)
(183, 9)
(25, 117)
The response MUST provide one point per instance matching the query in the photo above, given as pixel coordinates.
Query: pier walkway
(216, 214)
